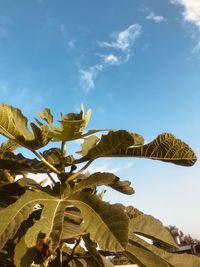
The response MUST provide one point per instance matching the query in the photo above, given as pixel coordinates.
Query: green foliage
(68, 223)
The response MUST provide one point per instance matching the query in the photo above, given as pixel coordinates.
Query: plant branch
(51, 178)
(73, 176)
(71, 256)
(63, 154)
(45, 161)
(63, 148)
(37, 155)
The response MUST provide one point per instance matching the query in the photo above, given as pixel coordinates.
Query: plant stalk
(73, 176)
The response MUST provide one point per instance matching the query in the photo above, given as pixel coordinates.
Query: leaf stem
(71, 256)
(63, 148)
(45, 162)
(73, 176)
(63, 154)
(51, 178)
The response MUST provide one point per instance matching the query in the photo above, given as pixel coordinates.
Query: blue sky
(135, 63)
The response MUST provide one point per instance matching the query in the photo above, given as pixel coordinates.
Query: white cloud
(87, 77)
(112, 59)
(155, 18)
(191, 14)
(121, 43)
(125, 39)
(191, 11)
(106, 165)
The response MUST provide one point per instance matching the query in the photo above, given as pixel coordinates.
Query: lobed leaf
(143, 257)
(47, 116)
(18, 163)
(172, 259)
(104, 178)
(102, 219)
(19, 211)
(114, 140)
(72, 125)
(50, 223)
(166, 147)
(94, 180)
(13, 125)
(148, 226)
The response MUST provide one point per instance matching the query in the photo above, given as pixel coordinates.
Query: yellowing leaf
(72, 125)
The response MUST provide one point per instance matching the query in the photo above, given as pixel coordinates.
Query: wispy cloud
(87, 77)
(191, 11)
(65, 33)
(112, 59)
(115, 52)
(191, 14)
(155, 18)
(125, 39)
(107, 166)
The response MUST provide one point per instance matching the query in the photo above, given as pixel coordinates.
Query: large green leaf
(14, 215)
(18, 163)
(148, 226)
(50, 223)
(172, 259)
(113, 141)
(166, 147)
(94, 180)
(104, 178)
(71, 231)
(13, 125)
(102, 219)
(144, 258)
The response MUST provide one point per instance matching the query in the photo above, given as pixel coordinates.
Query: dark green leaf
(166, 147)
(113, 141)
